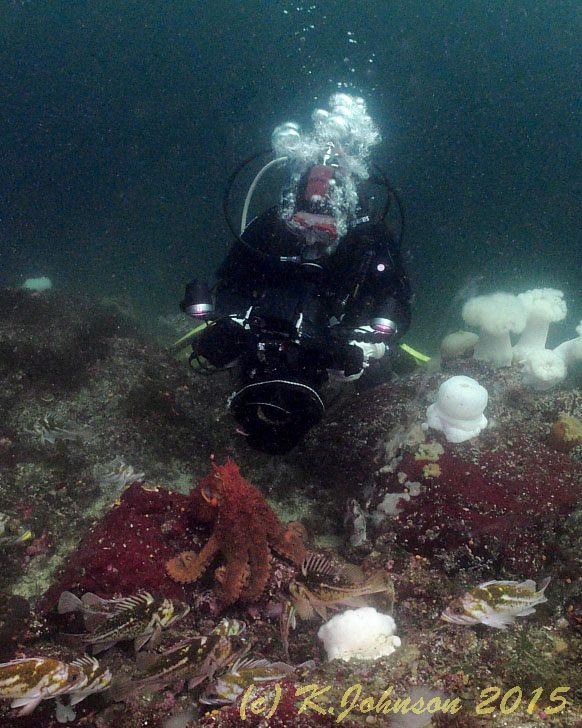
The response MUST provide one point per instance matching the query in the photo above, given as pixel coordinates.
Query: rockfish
(33, 679)
(317, 600)
(89, 603)
(98, 678)
(140, 618)
(195, 659)
(228, 686)
(11, 532)
(496, 603)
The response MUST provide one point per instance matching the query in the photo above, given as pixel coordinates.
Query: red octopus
(245, 531)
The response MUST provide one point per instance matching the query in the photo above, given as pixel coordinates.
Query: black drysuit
(363, 278)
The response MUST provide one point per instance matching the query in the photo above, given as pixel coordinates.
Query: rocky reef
(104, 437)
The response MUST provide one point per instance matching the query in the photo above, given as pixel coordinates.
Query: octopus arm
(289, 544)
(233, 578)
(260, 569)
(188, 566)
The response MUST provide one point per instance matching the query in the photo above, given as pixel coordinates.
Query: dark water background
(121, 120)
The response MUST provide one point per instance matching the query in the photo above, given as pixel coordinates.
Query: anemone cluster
(529, 315)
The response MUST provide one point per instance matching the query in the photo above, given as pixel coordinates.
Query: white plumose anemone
(543, 370)
(496, 316)
(363, 634)
(543, 306)
(458, 344)
(458, 411)
(571, 351)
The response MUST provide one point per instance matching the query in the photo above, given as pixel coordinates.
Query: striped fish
(496, 603)
(33, 679)
(11, 532)
(140, 618)
(320, 566)
(229, 627)
(227, 687)
(194, 659)
(98, 678)
(89, 604)
(319, 599)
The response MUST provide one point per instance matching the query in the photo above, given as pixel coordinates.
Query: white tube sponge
(544, 306)
(571, 351)
(458, 411)
(496, 316)
(543, 369)
(363, 634)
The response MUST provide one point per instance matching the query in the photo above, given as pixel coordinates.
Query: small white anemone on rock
(361, 634)
(543, 370)
(496, 315)
(458, 344)
(458, 411)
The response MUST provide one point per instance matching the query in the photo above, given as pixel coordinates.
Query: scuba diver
(313, 288)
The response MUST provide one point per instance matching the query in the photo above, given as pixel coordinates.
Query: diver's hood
(276, 413)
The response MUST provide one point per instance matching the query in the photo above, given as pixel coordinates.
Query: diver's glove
(353, 356)
(351, 364)
(373, 343)
(218, 346)
(372, 335)
(370, 349)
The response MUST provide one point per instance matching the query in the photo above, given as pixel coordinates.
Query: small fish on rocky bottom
(88, 604)
(11, 531)
(29, 681)
(227, 687)
(140, 617)
(195, 659)
(496, 603)
(355, 522)
(98, 678)
(309, 601)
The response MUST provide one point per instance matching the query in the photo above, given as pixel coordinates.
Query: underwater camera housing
(276, 413)
(277, 402)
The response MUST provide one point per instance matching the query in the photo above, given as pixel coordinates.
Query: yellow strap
(191, 334)
(423, 358)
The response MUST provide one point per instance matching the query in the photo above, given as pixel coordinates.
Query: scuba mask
(316, 217)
